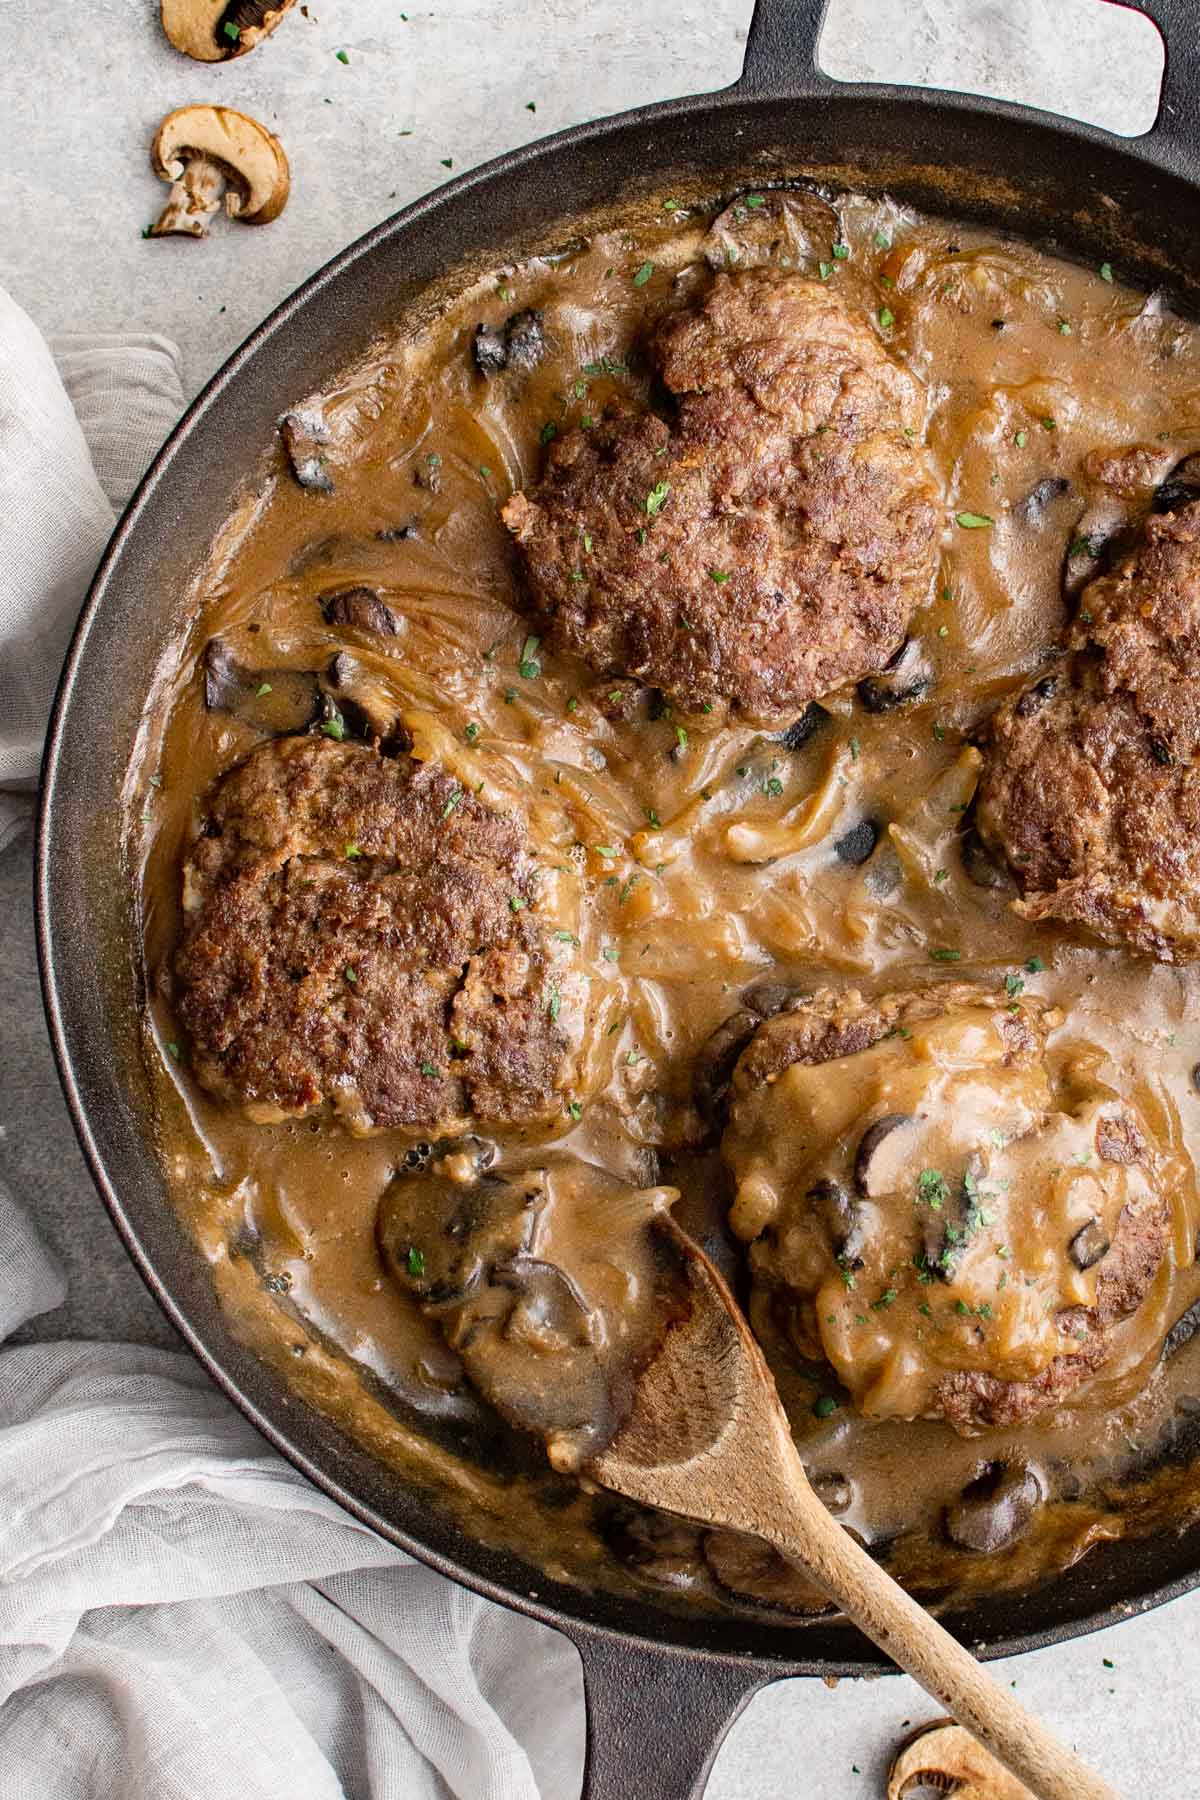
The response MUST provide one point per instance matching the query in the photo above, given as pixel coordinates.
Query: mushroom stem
(194, 200)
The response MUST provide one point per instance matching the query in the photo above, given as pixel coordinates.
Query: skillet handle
(785, 35)
(781, 49)
(656, 1716)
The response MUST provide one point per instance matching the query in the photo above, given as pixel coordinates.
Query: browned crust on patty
(349, 937)
(796, 522)
(1091, 781)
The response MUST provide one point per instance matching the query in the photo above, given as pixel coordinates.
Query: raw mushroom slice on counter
(207, 152)
(942, 1758)
(218, 30)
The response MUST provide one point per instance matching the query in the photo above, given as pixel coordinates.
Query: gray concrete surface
(460, 79)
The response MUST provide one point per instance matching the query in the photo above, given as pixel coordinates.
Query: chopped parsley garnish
(610, 953)
(516, 903)
(1049, 424)
(882, 241)
(1035, 965)
(885, 1299)
(343, 58)
(772, 787)
(887, 318)
(352, 852)
(653, 817)
(173, 1047)
(824, 1406)
(1013, 985)
(471, 732)
(656, 499)
(231, 31)
(973, 521)
(416, 1264)
(826, 270)
(643, 274)
(264, 687)
(940, 954)
(351, 977)
(553, 1005)
(1021, 439)
(334, 727)
(529, 668)
(755, 201)
(567, 937)
(1106, 273)
(1064, 327)
(549, 430)
(451, 803)
(932, 1189)
(718, 575)
(605, 850)
(681, 737)
(574, 1108)
(428, 1068)
(841, 252)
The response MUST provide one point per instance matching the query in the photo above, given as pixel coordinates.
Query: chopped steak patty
(767, 545)
(1091, 786)
(350, 936)
(958, 1232)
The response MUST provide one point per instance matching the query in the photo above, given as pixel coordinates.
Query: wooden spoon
(705, 1436)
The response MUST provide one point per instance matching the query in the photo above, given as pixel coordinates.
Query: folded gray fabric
(182, 1616)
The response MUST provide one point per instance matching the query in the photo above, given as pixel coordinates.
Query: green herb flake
(1013, 985)
(605, 850)
(341, 56)
(529, 668)
(430, 1069)
(653, 818)
(173, 1049)
(855, 747)
(451, 803)
(264, 687)
(553, 1005)
(772, 787)
(718, 575)
(416, 1264)
(471, 732)
(643, 274)
(932, 1189)
(681, 737)
(1035, 965)
(610, 953)
(940, 876)
(1064, 328)
(656, 499)
(1049, 424)
(351, 977)
(549, 430)
(885, 1299)
(824, 1406)
(882, 241)
(841, 252)
(1106, 272)
(826, 270)
(447, 162)
(231, 31)
(971, 521)
(941, 954)
(1021, 439)
(352, 852)
(572, 705)
(887, 318)
(516, 903)
(334, 727)
(754, 201)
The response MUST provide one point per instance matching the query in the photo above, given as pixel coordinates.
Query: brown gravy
(687, 870)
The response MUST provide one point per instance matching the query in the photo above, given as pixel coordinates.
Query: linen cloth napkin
(182, 1616)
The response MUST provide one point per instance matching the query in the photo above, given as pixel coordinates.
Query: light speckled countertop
(460, 79)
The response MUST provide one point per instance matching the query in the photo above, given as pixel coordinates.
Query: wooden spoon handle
(917, 1643)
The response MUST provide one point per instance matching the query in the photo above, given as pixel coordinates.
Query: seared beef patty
(955, 1229)
(1091, 786)
(767, 545)
(358, 930)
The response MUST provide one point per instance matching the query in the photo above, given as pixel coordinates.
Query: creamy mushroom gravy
(690, 863)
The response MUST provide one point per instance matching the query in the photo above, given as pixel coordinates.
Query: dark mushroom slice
(766, 998)
(438, 1238)
(1182, 1331)
(981, 867)
(1033, 510)
(1090, 1245)
(360, 609)
(366, 704)
(874, 1160)
(519, 344)
(1036, 697)
(277, 702)
(857, 844)
(397, 534)
(655, 1546)
(305, 438)
(751, 1571)
(717, 1058)
(994, 1508)
(802, 730)
(1181, 486)
(845, 1221)
(792, 228)
(907, 677)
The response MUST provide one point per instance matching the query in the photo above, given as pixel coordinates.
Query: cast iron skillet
(661, 1690)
